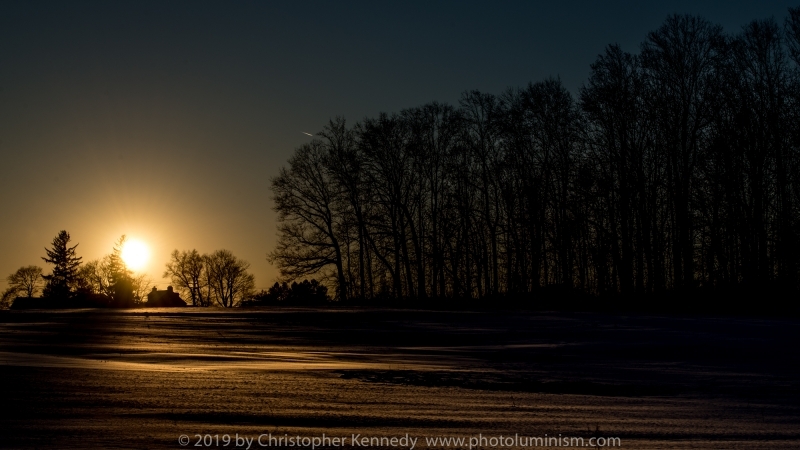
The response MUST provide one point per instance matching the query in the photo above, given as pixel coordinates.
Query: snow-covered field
(143, 378)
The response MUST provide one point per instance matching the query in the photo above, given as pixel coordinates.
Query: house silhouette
(168, 298)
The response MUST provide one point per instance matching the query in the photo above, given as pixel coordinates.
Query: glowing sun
(135, 254)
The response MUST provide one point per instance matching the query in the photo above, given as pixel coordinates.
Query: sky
(165, 121)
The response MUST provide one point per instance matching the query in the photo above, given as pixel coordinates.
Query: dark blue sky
(165, 120)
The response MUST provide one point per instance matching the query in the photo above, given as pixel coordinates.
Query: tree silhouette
(94, 277)
(228, 278)
(303, 293)
(120, 278)
(677, 169)
(59, 284)
(26, 281)
(188, 272)
(307, 200)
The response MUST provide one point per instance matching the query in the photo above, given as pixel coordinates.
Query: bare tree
(140, 285)
(306, 198)
(95, 277)
(26, 280)
(384, 142)
(228, 278)
(347, 167)
(680, 61)
(187, 270)
(618, 137)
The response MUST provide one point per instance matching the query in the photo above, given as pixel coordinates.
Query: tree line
(215, 279)
(221, 279)
(674, 169)
(104, 281)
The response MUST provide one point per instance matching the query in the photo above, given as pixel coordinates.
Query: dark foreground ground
(142, 378)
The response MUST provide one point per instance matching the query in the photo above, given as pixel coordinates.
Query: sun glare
(135, 254)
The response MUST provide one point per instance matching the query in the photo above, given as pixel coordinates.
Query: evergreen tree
(65, 273)
(121, 277)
